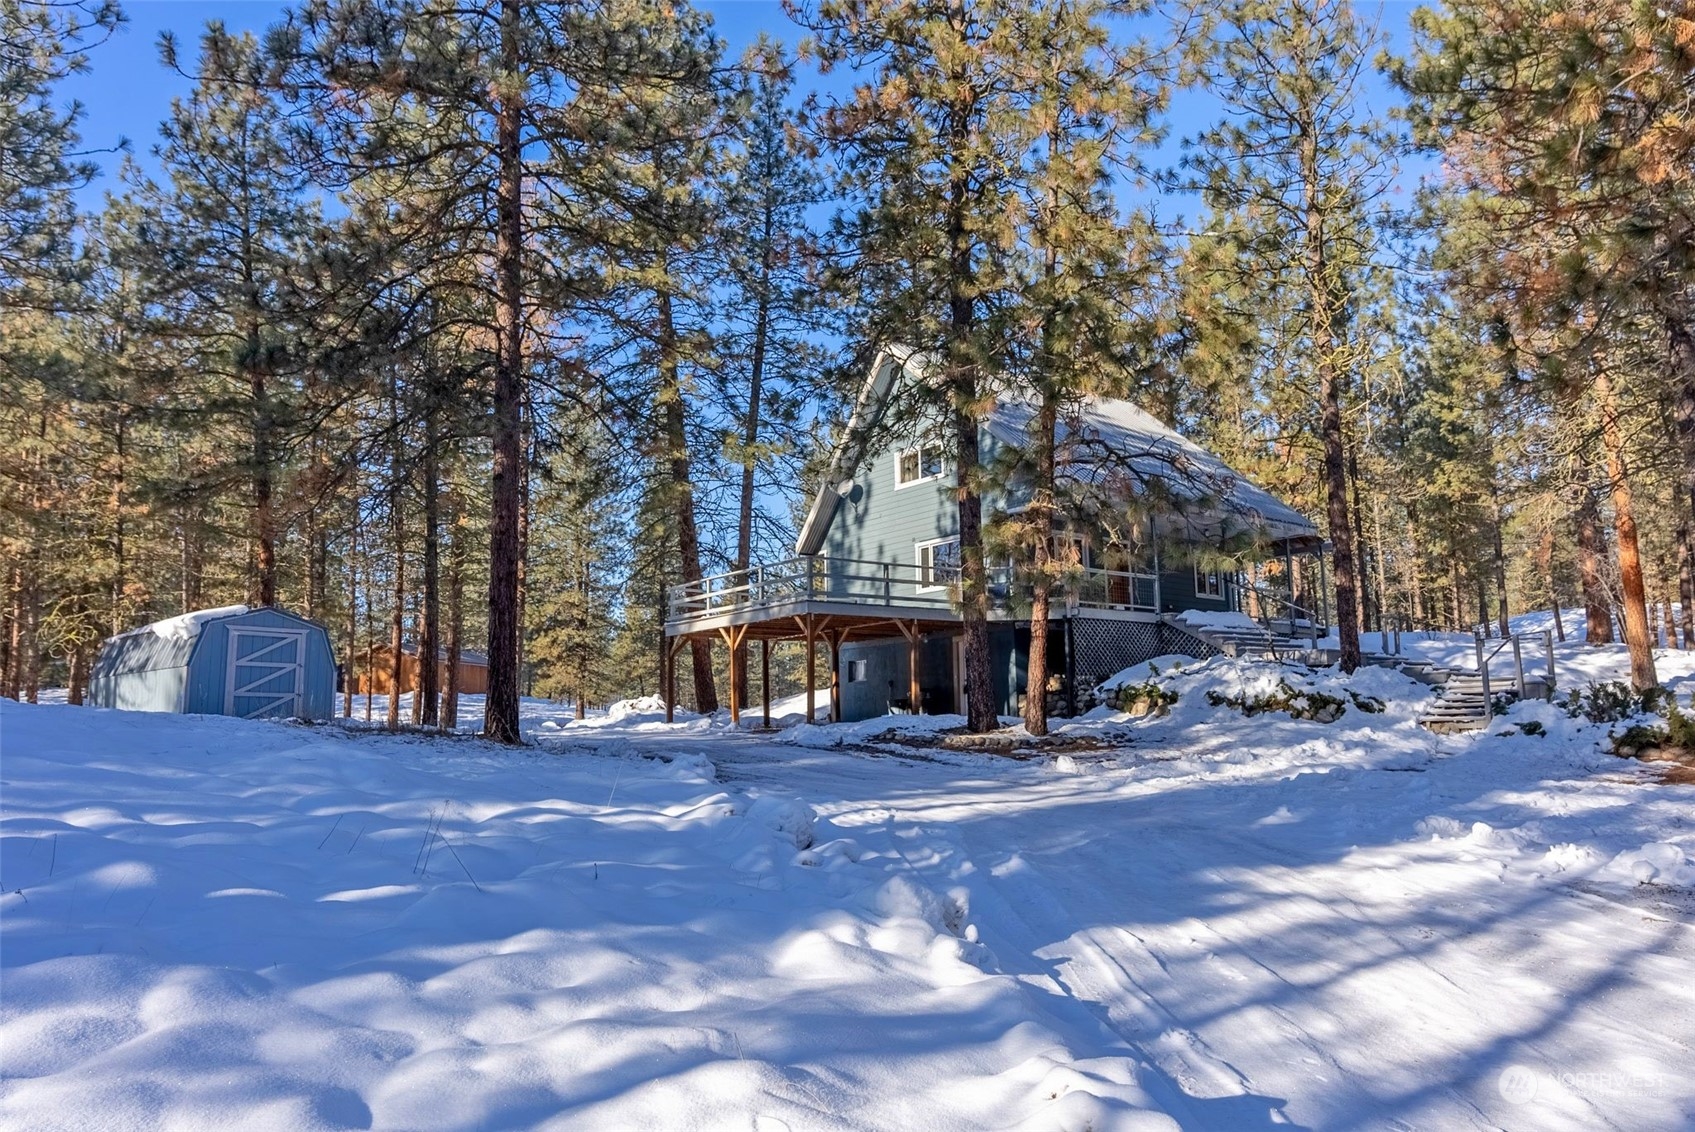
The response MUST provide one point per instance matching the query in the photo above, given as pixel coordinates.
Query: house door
(267, 673)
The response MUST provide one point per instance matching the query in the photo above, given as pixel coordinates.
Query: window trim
(918, 549)
(1206, 594)
(857, 664)
(920, 447)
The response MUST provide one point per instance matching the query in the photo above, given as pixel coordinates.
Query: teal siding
(884, 523)
(879, 522)
(885, 663)
(1177, 592)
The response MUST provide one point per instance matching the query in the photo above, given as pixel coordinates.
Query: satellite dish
(845, 487)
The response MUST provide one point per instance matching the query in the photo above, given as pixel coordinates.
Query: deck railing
(858, 582)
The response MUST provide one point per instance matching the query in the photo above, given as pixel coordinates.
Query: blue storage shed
(253, 663)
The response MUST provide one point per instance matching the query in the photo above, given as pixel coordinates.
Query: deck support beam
(834, 638)
(733, 636)
(913, 694)
(669, 676)
(765, 679)
(808, 633)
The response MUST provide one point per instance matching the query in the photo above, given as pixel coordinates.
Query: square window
(917, 464)
(856, 672)
(938, 563)
(1208, 583)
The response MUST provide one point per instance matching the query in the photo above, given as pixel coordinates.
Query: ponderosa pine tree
(770, 309)
(1297, 169)
(217, 247)
(43, 273)
(930, 141)
(1563, 126)
(1090, 106)
(505, 123)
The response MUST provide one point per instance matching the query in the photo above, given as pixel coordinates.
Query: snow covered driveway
(1215, 923)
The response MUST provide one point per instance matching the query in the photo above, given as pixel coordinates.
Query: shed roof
(162, 644)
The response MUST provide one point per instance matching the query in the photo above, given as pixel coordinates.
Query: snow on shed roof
(167, 643)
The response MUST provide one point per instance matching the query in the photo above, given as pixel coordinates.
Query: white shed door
(267, 673)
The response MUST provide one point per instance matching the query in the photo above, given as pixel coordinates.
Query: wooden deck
(840, 601)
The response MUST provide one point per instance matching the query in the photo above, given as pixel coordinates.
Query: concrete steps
(1460, 704)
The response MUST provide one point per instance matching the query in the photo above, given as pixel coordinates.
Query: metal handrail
(862, 581)
(1290, 606)
(1516, 641)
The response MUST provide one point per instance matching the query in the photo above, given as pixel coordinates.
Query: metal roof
(1105, 441)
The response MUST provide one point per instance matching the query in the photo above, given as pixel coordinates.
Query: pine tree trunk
(1322, 312)
(397, 547)
(682, 492)
(263, 486)
(429, 639)
(1500, 562)
(1591, 553)
(1363, 580)
(78, 676)
(120, 565)
(500, 714)
(352, 609)
(455, 612)
(750, 430)
(1040, 517)
(1380, 557)
(1458, 594)
(1636, 630)
(1685, 584)
(1546, 557)
(960, 375)
(1414, 572)
(15, 638)
(29, 643)
(527, 433)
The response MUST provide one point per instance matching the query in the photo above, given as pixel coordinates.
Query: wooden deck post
(1153, 537)
(807, 635)
(765, 677)
(1323, 593)
(835, 640)
(733, 636)
(673, 647)
(913, 694)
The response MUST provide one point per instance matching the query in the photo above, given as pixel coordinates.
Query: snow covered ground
(1200, 921)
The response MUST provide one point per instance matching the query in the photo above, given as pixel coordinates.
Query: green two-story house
(875, 573)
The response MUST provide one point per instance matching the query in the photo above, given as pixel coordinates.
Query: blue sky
(128, 92)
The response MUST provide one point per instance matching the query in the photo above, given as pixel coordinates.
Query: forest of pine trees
(477, 325)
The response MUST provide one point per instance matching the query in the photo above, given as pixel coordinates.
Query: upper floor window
(917, 464)
(1208, 583)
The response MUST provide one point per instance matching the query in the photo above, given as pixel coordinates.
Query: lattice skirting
(1103, 646)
